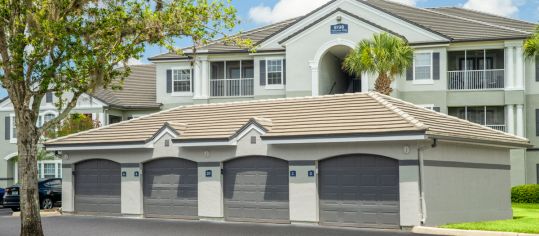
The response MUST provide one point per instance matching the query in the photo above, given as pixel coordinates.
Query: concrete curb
(42, 213)
(459, 232)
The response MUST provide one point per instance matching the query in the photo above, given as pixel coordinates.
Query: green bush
(525, 193)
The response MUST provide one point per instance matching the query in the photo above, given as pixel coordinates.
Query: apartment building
(106, 107)
(467, 64)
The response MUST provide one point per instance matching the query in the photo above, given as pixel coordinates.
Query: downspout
(420, 159)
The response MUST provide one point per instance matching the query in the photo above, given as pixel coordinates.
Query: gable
(412, 32)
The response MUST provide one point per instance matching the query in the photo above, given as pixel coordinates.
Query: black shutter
(536, 68)
(8, 128)
(48, 97)
(284, 71)
(410, 73)
(537, 122)
(169, 81)
(436, 66)
(262, 72)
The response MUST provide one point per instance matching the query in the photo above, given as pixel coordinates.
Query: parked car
(2, 191)
(50, 193)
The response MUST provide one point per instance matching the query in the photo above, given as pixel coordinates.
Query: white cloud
(498, 7)
(134, 62)
(286, 9)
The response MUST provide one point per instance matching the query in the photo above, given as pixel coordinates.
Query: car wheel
(15, 209)
(46, 203)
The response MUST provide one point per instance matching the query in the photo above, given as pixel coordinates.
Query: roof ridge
(476, 21)
(454, 118)
(113, 125)
(380, 98)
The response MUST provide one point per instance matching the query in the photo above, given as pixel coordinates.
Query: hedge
(525, 193)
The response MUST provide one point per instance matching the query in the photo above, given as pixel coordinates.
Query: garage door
(170, 188)
(256, 190)
(98, 187)
(359, 191)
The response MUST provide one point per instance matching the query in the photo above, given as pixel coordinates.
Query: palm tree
(531, 46)
(385, 55)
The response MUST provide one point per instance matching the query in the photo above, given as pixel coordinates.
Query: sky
(255, 13)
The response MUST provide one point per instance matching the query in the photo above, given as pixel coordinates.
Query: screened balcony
(232, 78)
(490, 116)
(476, 70)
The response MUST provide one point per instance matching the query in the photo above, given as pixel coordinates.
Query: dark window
(114, 119)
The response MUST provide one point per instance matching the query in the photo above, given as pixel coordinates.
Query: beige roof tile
(349, 114)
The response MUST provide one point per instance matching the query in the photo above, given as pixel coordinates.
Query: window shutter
(48, 97)
(537, 122)
(8, 128)
(537, 68)
(410, 73)
(169, 81)
(436, 66)
(262, 72)
(284, 71)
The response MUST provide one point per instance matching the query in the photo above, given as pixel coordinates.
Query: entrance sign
(339, 29)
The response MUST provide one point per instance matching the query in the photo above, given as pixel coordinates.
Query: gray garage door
(170, 188)
(359, 191)
(98, 187)
(256, 190)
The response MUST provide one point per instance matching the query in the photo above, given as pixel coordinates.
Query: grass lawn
(525, 220)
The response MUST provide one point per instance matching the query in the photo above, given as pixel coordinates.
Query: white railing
(476, 79)
(497, 127)
(232, 87)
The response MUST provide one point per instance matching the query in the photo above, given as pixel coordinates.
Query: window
(49, 170)
(491, 116)
(423, 67)
(48, 117)
(13, 128)
(181, 81)
(430, 107)
(274, 72)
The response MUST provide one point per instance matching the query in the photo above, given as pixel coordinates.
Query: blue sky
(254, 13)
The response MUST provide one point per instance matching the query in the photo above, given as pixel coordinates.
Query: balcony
(476, 79)
(476, 70)
(232, 87)
(489, 116)
(497, 127)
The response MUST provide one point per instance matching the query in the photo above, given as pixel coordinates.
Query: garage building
(353, 160)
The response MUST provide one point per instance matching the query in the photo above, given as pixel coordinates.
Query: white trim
(161, 134)
(12, 139)
(9, 156)
(98, 147)
(346, 140)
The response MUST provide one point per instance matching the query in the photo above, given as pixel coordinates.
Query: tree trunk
(383, 84)
(27, 143)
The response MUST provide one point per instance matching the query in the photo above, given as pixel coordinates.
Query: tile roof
(138, 91)
(455, 24)
(343, 115)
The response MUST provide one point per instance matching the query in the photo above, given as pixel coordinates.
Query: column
(510, 119)
(510, 75)
(205, 78)
(197, 80)
(410, 196)
(102, 120)
(519, 69)
(303, 192)
(314, 78)
(68, 190)
(131, 189)
(210, 191)
(520, 120)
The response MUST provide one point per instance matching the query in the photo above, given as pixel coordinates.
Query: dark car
(50, 193)
(2, 191)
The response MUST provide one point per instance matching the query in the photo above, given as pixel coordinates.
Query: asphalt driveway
(104, 226)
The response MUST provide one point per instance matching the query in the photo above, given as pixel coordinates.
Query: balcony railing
(476, 79)
(497, 127)
(232, 87)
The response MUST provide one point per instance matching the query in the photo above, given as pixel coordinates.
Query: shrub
(525, 193)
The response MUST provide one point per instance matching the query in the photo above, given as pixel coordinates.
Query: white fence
(231, 87)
